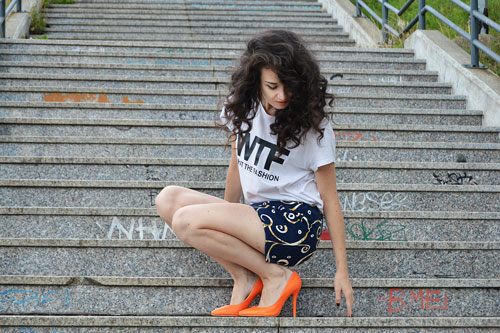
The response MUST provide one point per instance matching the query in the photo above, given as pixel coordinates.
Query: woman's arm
(233, 185)
(327, 186)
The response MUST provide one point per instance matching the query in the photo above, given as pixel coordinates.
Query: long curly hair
(285, 53)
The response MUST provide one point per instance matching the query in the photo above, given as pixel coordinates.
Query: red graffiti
(350, 136)
(397, 304)
(79, 98)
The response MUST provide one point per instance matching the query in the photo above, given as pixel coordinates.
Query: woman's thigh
(172, 198)
(238, 220)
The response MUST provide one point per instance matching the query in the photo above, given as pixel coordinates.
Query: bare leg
(171, 199)
(235, 233)
(230, 233)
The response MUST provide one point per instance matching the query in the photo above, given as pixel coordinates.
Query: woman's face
(273, 94)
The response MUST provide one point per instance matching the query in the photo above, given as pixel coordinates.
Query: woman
(282, 162)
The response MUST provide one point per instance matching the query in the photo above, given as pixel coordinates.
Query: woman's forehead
(267, 74)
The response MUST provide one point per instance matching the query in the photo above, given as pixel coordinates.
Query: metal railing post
(2, 17)
(385, 16)
(474, 35)
(483, 9)
(358, 9)
(421, 14)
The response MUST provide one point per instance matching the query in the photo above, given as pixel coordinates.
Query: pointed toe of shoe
(228, 310)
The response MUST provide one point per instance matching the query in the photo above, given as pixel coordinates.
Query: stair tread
(173, 243)
(145, 281)
(255, 322)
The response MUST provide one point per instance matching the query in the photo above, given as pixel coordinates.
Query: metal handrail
(4, 13)
(476, 18)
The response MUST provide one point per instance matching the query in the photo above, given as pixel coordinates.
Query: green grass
(62, 2)
(38, 20)
(453, 13)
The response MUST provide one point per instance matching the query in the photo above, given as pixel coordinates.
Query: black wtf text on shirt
(247, 148)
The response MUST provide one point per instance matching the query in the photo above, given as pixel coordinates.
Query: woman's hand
(342, 285)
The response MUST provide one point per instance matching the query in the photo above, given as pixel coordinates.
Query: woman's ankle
(277, 272)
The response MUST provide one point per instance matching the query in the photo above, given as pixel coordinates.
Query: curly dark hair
(285, 53)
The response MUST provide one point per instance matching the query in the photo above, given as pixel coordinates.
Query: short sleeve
(322, 153)
(227, 122)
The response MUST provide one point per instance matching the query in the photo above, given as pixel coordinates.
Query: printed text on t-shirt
(249, 148)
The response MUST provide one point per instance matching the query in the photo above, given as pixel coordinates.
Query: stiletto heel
(295, 295)
(292, 287)
(233, 310)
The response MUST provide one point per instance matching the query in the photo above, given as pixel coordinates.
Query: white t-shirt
(289, 177)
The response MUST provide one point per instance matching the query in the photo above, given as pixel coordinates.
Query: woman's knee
(167, 202)
(183, 223)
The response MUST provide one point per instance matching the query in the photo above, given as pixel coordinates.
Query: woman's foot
(242, 288)
(274, 284)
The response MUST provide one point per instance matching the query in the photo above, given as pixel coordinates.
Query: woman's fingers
(344, 287)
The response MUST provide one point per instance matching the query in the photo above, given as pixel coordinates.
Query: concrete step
(177, 324)
(216, 97)
(221, 62)
(107, 26)
(209, 170)
(371, 75)
(204, 2)
(258, 324)
(179, 25)
(211, 112)
(90, 295)
(314, 33)
(124, 258)
(407, 116)
(253, 13)
(178, 49)
(144, 224)
(78, 35)
(209, 129)
(181, 17)
(353, 196)
(160, 82)
(143, 69)
(182, 2)
(214, 148)
(281, 7)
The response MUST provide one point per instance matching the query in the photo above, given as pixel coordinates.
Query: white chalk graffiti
(136, 230)
(346, 157)
(375, 201)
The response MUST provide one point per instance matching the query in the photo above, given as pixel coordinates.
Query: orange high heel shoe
(292, 288)
(233, 310)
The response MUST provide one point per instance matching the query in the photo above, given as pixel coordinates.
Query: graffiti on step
(346, 156)
(155, 175)
(136, 230)
(25, 329)
(453, 178)
(351, 136)
(372, 201)
(21, 298)
(152, 196)
(384, 231)
(397, 301)
(81, 98)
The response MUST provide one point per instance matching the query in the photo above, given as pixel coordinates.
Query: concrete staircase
(121, 100)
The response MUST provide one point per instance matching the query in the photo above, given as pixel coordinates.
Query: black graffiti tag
(454, 178)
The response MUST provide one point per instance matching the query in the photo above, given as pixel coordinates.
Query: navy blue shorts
(293, 230)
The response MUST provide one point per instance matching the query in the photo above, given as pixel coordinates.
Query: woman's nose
(281, 95)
